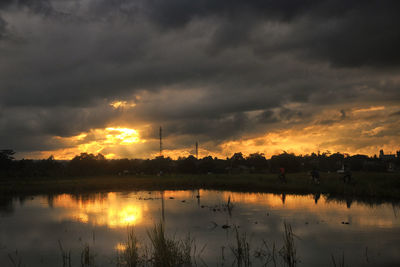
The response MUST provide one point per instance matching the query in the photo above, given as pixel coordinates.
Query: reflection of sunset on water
(178, 194)
(321, 223)
(120, 247)
(117, 210)
(102, 209)
(324, 209)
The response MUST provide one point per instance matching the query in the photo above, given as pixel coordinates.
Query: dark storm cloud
(347, 33)
(216, 69)
(266, 116)
(33, 128)
(3, 25)
(40, 6)
(216, 128)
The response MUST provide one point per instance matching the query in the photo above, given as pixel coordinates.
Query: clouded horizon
(102, 76)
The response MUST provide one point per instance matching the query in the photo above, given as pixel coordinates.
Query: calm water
(34, 226)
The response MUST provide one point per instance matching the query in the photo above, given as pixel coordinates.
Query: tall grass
(244, 255)
(338, 263)
(164, 251)
(267, 255)
(169, 252)
(288, 251)
(241, 249)
(15, 259)
(87, 256)
(130, 256)
(66, 256)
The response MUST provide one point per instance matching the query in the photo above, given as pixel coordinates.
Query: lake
(34, 229)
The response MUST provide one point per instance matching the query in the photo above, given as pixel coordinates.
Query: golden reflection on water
(326, 210)
(101, 209)
(120, 210)
(120, 247)
(178, 194)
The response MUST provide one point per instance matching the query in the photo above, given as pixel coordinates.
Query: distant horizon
(328, 153)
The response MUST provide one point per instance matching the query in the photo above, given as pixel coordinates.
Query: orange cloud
(95, 141)
(122, 104)
(363, 130)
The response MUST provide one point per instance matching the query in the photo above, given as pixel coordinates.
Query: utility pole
(160, 141)
(197, 150)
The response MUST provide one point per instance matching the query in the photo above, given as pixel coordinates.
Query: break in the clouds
(236, 75)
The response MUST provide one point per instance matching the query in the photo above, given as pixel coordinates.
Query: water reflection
(100, 209)
(120, 210)
(316, 219)
(6, 206)
(316, 198)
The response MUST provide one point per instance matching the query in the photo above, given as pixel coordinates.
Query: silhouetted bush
(290, 162)
(91, 165)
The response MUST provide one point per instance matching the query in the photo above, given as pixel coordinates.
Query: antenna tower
(160, 141)
(197, 150)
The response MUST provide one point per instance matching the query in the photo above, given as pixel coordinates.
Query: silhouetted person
(315, 176)
(282, 175)
(283, 198)
(347, 175)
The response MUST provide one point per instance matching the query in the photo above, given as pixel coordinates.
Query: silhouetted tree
(290, 162)
(163, 165)
(187, 165)
(237, 159)
(88, 164)
(356, 162)
(257, 162)
(206, 165)
(6, 158)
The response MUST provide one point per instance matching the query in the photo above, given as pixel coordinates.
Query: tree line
(87, 164)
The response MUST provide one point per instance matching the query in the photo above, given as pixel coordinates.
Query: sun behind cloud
(101, 140)
(122, 136)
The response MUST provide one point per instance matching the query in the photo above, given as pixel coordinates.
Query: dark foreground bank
(374, 186)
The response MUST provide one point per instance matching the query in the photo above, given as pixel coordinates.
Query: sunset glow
(123, 136)
(328, 130)
(101, 211)
(115, 212)
(227, 93)
(122, 104)
(106, 141)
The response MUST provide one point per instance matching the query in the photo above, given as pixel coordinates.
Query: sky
(102, 76)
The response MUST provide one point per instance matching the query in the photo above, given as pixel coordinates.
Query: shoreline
(368, 187)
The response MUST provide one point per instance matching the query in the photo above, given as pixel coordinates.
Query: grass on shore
(167, 251)
(364, 185)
